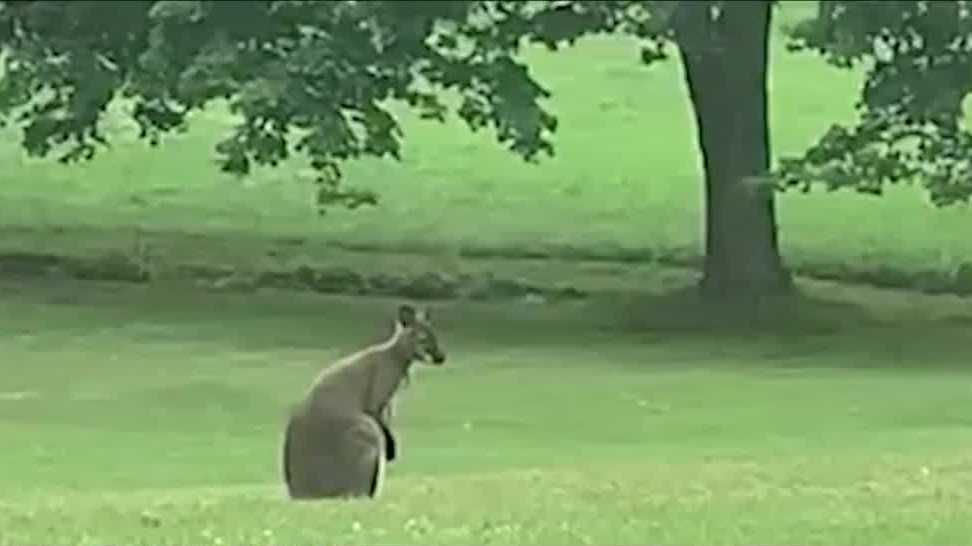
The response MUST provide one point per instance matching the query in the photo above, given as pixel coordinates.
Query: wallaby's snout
(438, 357)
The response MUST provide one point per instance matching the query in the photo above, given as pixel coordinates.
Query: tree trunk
(725, 59)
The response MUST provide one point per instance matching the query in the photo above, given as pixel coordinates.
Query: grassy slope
(150, 415)
(625, 180)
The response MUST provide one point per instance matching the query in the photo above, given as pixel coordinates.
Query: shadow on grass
(822, 325)
(871, 329)
(102, 253)
(684, 311)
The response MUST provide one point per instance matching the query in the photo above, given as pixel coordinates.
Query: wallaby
(338, 438)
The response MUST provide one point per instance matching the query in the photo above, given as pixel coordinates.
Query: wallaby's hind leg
(301, 462)
(365, 455)
(337, 456)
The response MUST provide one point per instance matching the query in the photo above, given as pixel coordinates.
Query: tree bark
(725, 57)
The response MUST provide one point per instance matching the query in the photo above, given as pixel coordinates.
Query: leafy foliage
(316, 78)
(308, 77)
(918, 57)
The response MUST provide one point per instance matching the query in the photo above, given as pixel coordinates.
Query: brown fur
(338, 438)
(333, 456)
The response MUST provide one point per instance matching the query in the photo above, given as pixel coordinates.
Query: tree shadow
(885, 329)
(685, 312)
(865, 327)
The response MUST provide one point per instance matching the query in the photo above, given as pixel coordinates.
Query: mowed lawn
(625, 180)
(152, 415)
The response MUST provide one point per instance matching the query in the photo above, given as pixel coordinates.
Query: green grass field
(152, 415)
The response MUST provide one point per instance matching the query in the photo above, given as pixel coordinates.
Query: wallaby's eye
(425, 340)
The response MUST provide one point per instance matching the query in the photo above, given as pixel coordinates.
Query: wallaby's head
(414, 330)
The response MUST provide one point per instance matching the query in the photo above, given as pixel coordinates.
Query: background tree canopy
(918, 57)
(315, 78)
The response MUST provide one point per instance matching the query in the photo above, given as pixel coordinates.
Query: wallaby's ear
(424, 315)
(406, 315)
